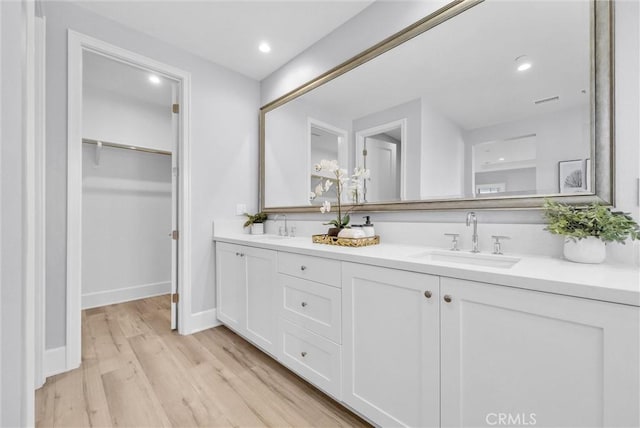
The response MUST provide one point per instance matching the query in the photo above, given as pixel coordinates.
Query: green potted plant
(256, 222)
(587, 230)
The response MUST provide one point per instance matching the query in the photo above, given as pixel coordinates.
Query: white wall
(364, 30)
(442, 155)
(113, 117)
(126, 219)
(13, 408)
(288, 138)
(224, 140)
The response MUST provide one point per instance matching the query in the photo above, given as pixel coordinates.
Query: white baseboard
(55, 361)
(201, 321)
(109, 297)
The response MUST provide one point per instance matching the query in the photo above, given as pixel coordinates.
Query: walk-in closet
(128, 201)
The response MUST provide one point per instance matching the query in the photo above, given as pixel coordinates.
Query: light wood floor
(136, 372)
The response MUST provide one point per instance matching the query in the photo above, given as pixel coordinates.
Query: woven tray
(345, 242)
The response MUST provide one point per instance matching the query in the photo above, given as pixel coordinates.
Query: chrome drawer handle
(303, 304)
(304, 354)
(447, 298)
(303, 267)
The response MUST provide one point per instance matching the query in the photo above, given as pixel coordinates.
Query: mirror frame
(602, 119)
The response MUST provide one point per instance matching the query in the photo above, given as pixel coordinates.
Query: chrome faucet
(285, 231)
(471, 218)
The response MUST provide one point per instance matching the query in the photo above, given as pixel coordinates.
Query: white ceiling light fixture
(264, 47)
(154, 79)
(523, 63)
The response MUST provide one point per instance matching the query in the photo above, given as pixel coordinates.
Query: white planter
(587, 250)
(257, 229)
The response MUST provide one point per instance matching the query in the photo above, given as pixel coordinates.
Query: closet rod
(126, 146)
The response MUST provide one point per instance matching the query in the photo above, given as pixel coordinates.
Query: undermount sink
(462, 257)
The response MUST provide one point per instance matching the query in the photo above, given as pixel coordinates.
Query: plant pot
(586, 250)
(333, 231)
(257, 229)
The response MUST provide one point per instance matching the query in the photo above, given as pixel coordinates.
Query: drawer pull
(304, 354)
(427, 294)
(303, 304)
(303, 267)
(447, 298)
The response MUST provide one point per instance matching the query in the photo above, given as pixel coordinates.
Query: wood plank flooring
(135, 372)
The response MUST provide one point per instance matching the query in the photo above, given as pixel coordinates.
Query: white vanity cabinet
(246, 292)
(406, 348)
(391, 345)
(537, 358)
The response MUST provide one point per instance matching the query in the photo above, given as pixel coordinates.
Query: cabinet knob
(447, 298)
(303, 267)
(427, 294)
(303, 304)
(303, 354)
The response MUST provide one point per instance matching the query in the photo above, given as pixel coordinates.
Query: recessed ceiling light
(154, 79)
(523, 63)
(501, 159)
(264, 47)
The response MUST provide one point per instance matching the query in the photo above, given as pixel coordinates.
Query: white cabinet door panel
(536, 358)
(390, 345)
(261, 293)
(230, 282)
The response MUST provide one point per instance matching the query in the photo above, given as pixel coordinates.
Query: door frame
(77, 44)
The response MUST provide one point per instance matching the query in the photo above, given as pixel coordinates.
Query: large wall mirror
(482, 104)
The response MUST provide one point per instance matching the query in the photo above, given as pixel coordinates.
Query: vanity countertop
(606, 282)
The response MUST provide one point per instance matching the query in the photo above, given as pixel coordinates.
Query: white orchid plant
(343, 182)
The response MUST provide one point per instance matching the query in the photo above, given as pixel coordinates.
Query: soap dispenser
(368, 227)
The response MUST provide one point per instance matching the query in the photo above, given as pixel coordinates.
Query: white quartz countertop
(606, 282)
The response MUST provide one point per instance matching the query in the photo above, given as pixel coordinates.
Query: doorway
(132, 154)
(128, 206)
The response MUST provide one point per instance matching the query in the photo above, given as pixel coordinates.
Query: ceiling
(465, 68)
(229, 32)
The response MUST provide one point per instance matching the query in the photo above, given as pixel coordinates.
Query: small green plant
(594, 220)
(255, 218)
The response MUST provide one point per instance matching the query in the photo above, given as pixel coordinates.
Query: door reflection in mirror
(381, 151)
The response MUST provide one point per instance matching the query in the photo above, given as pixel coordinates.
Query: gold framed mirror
(479, 105)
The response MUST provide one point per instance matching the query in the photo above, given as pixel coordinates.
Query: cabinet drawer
(311, 356)
(315, 269)
(314, 306)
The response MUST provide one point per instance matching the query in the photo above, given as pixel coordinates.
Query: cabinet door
(390, 345)
(260, 297)
(230, 285)
(520, 357)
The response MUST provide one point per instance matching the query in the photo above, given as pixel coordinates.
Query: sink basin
(462, 257)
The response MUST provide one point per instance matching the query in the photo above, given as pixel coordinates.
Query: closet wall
(126, 194)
